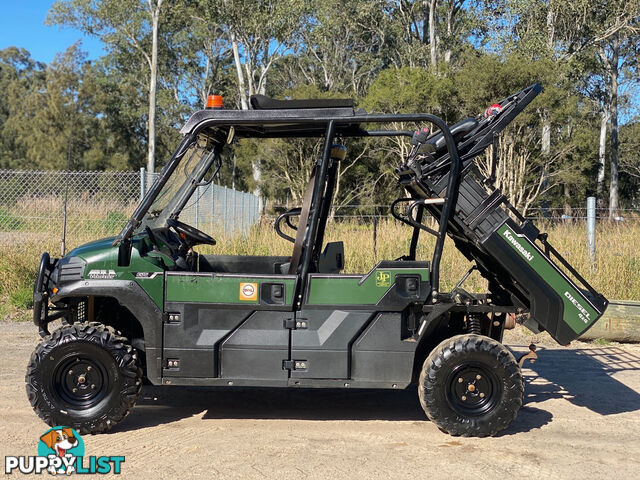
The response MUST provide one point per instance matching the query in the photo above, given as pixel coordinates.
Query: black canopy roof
(282, 118)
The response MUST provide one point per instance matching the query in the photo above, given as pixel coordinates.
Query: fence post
(375, 234)
(256, 214)
(212, 209)
(224, 212)
(591, 230)
(243, 199)
(197, 193)
(63, 243)
(143, 182)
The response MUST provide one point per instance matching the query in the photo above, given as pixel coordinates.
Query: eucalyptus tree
(343, 46)
(594, 40)
(259, 33)
(51, 123)
(131, 26)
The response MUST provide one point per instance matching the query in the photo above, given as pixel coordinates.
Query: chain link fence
(98, 204)
(34, 205)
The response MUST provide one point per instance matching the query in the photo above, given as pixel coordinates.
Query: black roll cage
(316, 122)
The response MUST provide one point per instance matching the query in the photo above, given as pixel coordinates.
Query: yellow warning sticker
(249, 291)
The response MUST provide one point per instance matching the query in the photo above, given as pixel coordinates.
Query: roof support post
(312, 227)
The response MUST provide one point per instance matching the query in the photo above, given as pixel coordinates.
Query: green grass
(113, 222)
(22, 297)
(9, 221)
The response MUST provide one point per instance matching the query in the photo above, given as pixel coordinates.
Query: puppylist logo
(61, 451)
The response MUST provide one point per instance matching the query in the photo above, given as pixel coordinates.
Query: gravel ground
(580, 420)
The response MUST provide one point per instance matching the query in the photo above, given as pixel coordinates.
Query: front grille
(80, 314)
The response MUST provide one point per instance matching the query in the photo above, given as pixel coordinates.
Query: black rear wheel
(471, 385)
(85, 376)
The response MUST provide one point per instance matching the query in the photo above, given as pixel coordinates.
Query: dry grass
(616, 273)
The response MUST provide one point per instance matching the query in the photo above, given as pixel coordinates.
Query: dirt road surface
(581, 419)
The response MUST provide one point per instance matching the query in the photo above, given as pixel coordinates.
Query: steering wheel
(190, 235)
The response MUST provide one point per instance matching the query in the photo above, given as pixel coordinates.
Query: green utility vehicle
(145, 306)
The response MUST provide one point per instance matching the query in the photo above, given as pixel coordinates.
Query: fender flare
(132, 296)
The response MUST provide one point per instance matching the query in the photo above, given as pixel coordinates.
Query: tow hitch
(530, 355)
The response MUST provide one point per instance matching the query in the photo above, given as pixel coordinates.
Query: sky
(22, 25)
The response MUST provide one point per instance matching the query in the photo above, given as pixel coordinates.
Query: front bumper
(42, 314)
(52, 275)
(41, 294)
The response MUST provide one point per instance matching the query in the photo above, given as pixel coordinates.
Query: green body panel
(154, 288)
(351, 290)
(220, 288)
(577, 312)
(101, 256)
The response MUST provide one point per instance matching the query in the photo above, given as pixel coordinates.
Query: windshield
(177, 181)
(180, 185)
(180, 177)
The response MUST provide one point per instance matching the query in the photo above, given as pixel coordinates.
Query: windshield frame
(181, 185)
(215, 141)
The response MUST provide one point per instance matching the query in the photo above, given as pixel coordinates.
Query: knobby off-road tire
(471, 385)
(85, 376)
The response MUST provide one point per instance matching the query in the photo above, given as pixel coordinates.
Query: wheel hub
(473, 390)
(84, 382)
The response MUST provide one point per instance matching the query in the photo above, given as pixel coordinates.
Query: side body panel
(351, 322)
(222, 325)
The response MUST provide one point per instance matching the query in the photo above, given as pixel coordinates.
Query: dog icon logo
(61, 445)
(61, 451)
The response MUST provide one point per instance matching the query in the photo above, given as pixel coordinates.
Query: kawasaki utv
(145, 305)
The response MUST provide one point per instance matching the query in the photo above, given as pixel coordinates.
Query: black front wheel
(471, 385)
(85, 376)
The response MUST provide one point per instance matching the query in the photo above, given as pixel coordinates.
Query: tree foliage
(448, 57)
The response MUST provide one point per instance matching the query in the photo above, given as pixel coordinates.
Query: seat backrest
(302, 224)
(332, 258)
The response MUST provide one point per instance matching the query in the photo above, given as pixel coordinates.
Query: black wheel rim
(473, 389)
(80, 381)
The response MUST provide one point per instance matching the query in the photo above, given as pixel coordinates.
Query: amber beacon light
(214, 101)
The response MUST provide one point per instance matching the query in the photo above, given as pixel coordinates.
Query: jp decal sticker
(383, 279)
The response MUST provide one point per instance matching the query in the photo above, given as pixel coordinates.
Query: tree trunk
(233, 173)
(567, 197)
(551, 28)
(613, 108)
(155, 17)
(546, 151)
(601, 156)
(450, 15)
(204, 93)
(546, 135)
(257, 174)
(241, 86)
(433, 37)
(262, 86)
(425, 22)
